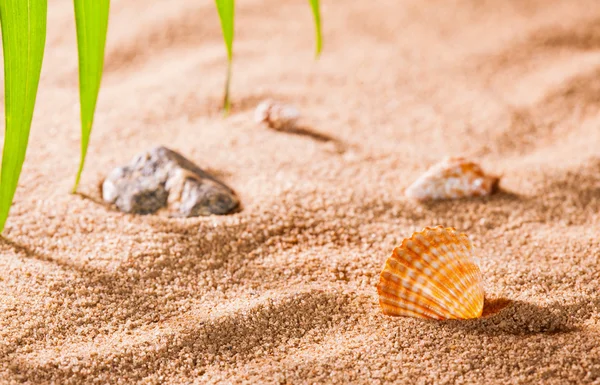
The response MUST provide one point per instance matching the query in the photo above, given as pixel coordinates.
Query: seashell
(276, 115)
(431, 275)
(454, 177)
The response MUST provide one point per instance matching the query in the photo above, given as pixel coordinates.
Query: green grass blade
(314, 4)
(91, 19)
(23, 39)
(226, 14)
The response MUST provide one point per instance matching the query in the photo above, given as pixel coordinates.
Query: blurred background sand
(284, 291)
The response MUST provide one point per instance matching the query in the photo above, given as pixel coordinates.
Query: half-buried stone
(162, 178)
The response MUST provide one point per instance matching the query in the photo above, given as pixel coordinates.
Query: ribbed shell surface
(432, 275)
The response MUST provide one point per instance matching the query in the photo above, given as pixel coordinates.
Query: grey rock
(161, 178)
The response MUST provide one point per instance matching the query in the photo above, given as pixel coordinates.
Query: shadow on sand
(515, 317)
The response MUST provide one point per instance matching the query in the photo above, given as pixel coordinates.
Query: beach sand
(284, 291)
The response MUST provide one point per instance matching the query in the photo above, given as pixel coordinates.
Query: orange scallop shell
(452, 178)
(432, 275)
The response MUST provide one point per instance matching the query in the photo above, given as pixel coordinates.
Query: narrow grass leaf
(91, 19)
(226, 14)
(23, 39)
(317, 14)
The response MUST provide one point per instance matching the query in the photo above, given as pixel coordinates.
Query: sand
(284, 291)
